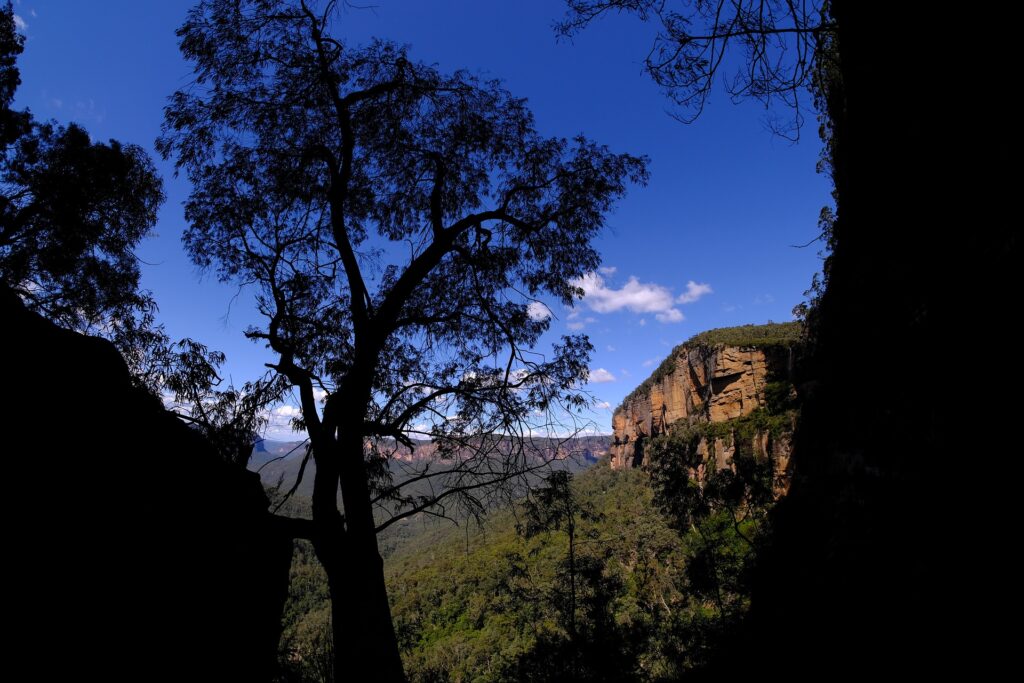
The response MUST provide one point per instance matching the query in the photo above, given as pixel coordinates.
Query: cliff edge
(715, 378)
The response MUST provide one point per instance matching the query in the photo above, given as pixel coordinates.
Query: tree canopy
(398, 226)
(769, 50)
(71, 211)
(385, 209)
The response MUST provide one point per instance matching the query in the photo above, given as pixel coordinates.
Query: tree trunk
(364, 638)
(364, 635)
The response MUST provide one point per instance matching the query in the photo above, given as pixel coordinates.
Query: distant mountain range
(278, 462)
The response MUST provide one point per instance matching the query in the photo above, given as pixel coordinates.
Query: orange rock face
(705, 385)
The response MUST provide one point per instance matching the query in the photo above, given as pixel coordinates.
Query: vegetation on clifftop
(757, 336)
(745, 336)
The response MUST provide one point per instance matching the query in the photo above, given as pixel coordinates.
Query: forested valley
(332, 358)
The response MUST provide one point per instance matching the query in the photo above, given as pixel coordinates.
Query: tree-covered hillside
(494, 601)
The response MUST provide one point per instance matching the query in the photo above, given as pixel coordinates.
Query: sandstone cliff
(714, 378)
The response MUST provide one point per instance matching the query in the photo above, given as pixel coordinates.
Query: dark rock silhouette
(884, 556)
(890, 552)
(117, 565)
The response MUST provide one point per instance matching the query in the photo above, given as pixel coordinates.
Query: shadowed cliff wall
(133, 552)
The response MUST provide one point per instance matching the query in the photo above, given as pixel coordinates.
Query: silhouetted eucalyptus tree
(555, 507)
(12, 123)
(71, 211)
(773, 49)
(397, 224)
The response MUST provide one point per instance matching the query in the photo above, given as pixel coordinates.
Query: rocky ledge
(716, 377)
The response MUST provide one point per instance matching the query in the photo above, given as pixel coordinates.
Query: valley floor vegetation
(639, 592)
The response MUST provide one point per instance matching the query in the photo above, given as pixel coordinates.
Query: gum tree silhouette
(555, 507)
(397, 225)
(71, 211)
(781, 48)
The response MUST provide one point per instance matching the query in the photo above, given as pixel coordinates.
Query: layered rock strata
(703, 384)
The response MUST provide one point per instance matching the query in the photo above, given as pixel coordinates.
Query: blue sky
(708, 243)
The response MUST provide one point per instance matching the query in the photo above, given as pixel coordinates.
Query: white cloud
(638, 297)
(672, 315)
(279, 422)
(634, 296)
(575, 326)
(286, 411)
(608, 270)
(610, 348)
(694, 291)
(574, 315)
(643, 321)
(538, 311)
(649, 362)
(600, 376)
(603, 405)
(20, 23)
(33, 13)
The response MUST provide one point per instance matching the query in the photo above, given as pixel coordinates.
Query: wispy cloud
(88, 111)
(20, 23)
(694, 291)
(279, 421)
(600, 376)
(608, 270)
(603, 405)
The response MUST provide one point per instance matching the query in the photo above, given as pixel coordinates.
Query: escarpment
(728, 388)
